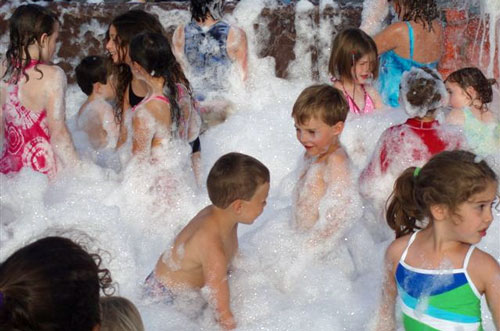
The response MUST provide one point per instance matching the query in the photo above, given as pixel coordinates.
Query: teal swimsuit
(440, 299)
(391, 70)
(481, 137)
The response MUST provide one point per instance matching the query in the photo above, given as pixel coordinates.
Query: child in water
(238, 186)
(439, 213)
(412, 143)
(319, 114)
(415, 41)
(96, 117)
(470, 93)
(32, 95)
(353, 65)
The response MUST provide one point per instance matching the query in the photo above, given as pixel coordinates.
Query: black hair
(200, 9)
(91, 70)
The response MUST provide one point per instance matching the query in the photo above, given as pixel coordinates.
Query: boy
(237, 186)
(96, 116)
(323, 192)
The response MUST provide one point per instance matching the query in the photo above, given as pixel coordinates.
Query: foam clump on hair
(422, 90)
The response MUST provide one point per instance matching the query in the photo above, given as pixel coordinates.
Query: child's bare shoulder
(483, 262)
(455, 117)
(338, 162)
(396, 248)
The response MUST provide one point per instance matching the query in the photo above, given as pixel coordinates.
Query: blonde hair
(348, 47)
(119, 314)
(323, 102)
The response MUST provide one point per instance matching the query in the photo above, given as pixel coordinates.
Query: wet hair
(348, 47)
(51, 284)
(91, 70)
(153, 52)
(200, 9)
(424, 11)
(27, 25)
(120, 314)
(449, 178)
(422, 91)
(473, 77)
(235, 176)
(323, 102)
(128, 25)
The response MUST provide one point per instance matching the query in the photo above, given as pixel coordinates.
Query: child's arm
(307, 213)
(178, 43)
(214, 263)
(237, 49)
(56, 115)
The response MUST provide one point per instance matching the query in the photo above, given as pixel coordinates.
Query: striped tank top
(437, 299)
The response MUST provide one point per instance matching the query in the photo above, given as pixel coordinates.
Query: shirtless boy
(238, 186)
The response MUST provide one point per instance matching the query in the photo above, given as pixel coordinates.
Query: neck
(440, 238)
(225, 219)
(34, 52)
(331, 149)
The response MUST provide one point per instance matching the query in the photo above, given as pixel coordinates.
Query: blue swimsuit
(206, 53)
(391, 70)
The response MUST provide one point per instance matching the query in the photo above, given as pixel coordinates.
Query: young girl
(439, 212)
(120, 314)
(414, 42)
(52, 284)
(470, 93)
(413, 142)
(353, 64)
(32, 95)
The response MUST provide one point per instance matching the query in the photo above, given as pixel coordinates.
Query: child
(353, 64)
(96, 115)
(470, 93)
(32, 96)
(238, 186)
(414, 42)
(119, 314)
(439, 212)
(51, 284)
(319, 114)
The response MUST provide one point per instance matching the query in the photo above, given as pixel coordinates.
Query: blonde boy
(319, 114)
(238, 186)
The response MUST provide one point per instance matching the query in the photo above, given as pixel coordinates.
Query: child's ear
(96, 87)
(338, 127)
(44, 39)
(439, 212)
(237, 206)
(471, 92)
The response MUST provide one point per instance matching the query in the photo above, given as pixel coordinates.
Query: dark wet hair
(27, 25)
(51, 284)
(423, 91)
(199, 9)
(473, 77)
(128, 25)
(449, 178)
(93, 69)
(424, 11)
(153, 52)
(348, 47)
(235, 176)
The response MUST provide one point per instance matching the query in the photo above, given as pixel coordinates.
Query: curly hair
(26, 26)
(52, 284)
(424, 11)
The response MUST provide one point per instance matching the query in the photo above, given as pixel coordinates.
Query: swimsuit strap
(410, 36)
(350, 100)
(160, 97)
(467, 256)
(412, 238)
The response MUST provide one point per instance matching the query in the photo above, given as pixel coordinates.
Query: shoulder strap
(160, 97)
(410, 36)
(412, 238)
(467, 256)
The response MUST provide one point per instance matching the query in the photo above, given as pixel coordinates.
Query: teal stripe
(436, 312)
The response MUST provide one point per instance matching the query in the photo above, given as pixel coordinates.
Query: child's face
(475, 215)
(253, 208)
(113, 47)
(47, 52)
(458, 99)
(316, 136)
(362, 70)
(108, 90)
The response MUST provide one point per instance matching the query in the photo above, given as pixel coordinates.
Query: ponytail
(403, 211)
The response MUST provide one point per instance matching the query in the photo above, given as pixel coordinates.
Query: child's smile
(316, 136)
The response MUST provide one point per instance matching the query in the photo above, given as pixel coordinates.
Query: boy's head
(237, 176)
(319, 114)
(94, 75)
(120, 314)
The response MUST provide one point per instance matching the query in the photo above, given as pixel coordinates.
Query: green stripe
(411, 324)
(461, 300)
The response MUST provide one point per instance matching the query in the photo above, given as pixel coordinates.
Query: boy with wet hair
(201, 253)
(96, 116)
(323, 193)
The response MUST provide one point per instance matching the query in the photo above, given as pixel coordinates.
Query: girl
(414, 42)
(413, 142)
(470, 93)
(32, 96)
(353, 64)
(52, 284)
(439, 212)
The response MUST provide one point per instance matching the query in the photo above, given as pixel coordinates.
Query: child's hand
(227, 321)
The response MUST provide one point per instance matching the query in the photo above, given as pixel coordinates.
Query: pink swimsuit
(26, 134)
(369, 104)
